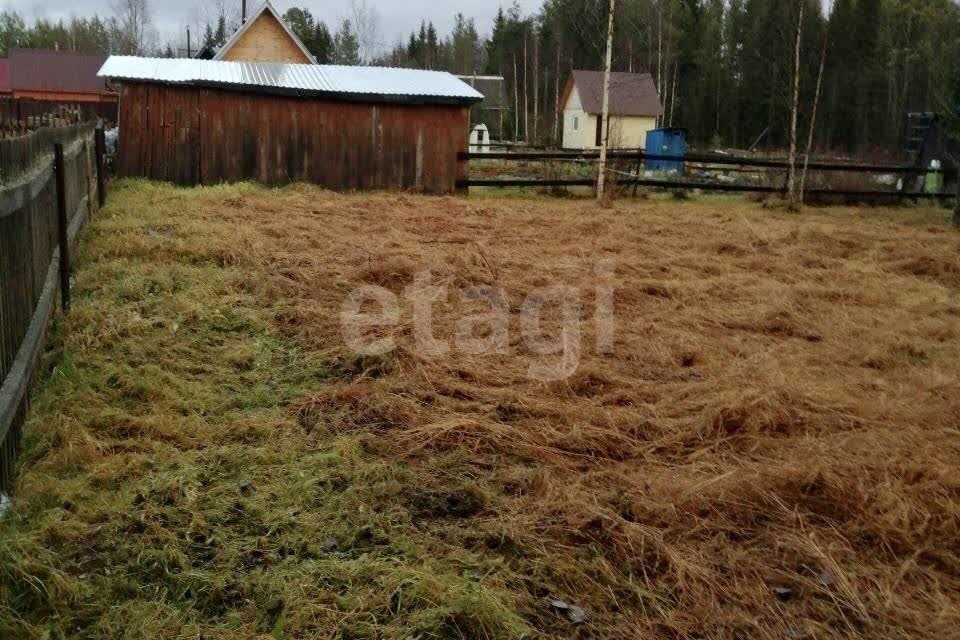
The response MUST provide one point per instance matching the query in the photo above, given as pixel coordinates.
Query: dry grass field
(770, 450)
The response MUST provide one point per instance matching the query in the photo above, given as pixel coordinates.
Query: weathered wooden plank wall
(28, 259)
(206, 136)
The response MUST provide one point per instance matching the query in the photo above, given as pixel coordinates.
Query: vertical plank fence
(38, 171)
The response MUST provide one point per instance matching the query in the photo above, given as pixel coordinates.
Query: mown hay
(769, 450)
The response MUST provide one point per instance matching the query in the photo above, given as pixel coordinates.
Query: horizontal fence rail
(641, 156)
(48, 190)
(676, 184)
(703, 162)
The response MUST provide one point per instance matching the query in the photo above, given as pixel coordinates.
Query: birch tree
(813, 120)
(604, 123)
(791, 172)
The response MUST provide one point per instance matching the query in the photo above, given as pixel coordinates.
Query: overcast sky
(397, 17)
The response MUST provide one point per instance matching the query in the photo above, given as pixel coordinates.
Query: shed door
(599, 129)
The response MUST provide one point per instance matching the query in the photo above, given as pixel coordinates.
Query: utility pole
(605, 124)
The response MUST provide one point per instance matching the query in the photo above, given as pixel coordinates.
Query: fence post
(100, 146)
(636, 184)
(956, 205)
(62, 226)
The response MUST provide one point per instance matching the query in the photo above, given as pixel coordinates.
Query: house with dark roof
(634, 109)
(56, 76)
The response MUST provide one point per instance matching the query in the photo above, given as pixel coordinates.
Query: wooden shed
(206, 122)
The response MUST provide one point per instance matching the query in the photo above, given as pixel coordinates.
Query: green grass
(167, 490)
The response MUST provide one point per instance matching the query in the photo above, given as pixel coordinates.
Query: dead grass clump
(657, 290)
(756, 413)
(945, 271)
(394, 274)
(356, 407)
(587, 384)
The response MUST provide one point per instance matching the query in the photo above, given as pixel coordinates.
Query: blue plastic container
(666, 142)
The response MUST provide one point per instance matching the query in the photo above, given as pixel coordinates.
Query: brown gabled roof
(631, 94)
(55, 71)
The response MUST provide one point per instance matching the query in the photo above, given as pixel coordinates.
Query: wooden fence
(19, 115)
(51, 181)
(704, 167)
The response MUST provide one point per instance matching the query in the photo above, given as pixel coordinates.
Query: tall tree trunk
(813, 121)
(660, 51)
(605, 114)
(516, 102)
(956, 202)
(792, 171)
(526, 94)
(668, 45)
(956, 206)
(504, 102)
(536, 86)
(556, 113)
(673, 96)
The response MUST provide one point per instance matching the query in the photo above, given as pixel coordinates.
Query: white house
(634, 109)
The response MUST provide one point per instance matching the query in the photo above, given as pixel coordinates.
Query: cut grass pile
(770, 451)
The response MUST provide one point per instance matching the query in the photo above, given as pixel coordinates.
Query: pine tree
(302, 25)
(322, 46)
(432, 46)
(220, 36)
(346, 47)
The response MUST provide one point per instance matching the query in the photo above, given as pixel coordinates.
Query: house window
(576, 123)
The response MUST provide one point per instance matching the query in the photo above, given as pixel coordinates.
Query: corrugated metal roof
(377, 83)
(56, 71)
